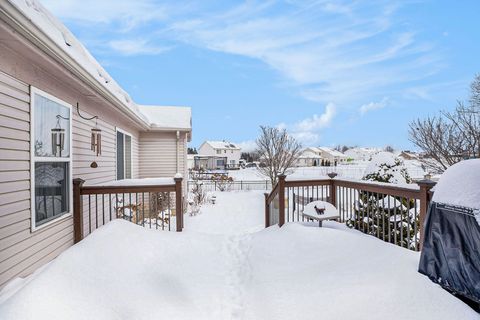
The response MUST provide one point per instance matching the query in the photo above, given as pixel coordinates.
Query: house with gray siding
(63, 117)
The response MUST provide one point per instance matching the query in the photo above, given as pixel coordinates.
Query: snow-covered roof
(361, 152)
(330, 151)
(223, 145)
(69, 44)
(168, 117)
(333, 152)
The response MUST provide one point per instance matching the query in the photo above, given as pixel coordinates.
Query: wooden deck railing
(389, 212)
(152, 206)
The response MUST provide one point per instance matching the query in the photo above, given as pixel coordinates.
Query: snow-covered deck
(123, 271)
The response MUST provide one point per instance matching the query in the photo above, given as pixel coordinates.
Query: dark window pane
(120, 157)
(51, 190)
(128, 157)
(46, 112)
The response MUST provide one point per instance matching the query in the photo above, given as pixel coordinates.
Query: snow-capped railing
(393, 213)
(153, 203)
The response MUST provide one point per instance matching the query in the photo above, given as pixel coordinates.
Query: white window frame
(34, 159)
(125, 133)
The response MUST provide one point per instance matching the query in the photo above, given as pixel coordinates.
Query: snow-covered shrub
(222, 182)
(384, 167)
(159, 207)
(386, 217)
(197, 197)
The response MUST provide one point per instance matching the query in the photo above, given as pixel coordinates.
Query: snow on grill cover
(451, 250)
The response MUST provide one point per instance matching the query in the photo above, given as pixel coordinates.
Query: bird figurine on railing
(319, 210)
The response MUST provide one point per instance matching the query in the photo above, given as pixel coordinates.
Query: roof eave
(25, 27)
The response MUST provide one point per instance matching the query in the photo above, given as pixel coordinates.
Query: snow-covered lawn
(350, 171)
(219, 268)
(235, 212)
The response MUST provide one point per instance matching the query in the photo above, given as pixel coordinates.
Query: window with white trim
(51, 159)
(124, 155)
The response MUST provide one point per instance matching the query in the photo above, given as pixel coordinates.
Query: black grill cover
(451, 250)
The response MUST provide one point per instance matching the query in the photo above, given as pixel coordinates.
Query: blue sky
(330, 72)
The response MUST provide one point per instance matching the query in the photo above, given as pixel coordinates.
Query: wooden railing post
(77, 210)
(281, 199)
(179, 203)
(425, 187)
(267, 211)
(333, 191)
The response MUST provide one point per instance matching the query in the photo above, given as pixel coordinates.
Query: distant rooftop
(331, 151)
(223, 145)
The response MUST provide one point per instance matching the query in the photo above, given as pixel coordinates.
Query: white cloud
(340, 51)
(248, 146)
(317, 122)
(136, 47)
(328, 50)
(307, 131)
(373, 106)
(127, 13)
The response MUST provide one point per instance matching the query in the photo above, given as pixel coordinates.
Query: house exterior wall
(158, 154)
(231, 155)
(21, 250)
(308, 158)
(332, 157)
(207, 150)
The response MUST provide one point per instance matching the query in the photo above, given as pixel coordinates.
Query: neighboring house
(46, 141)
(190, 161)
(408, 155)
(214, 155)
(316, 156)
(309, 158)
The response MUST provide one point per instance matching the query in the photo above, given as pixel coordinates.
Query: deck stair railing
(392, 213)
(151, 206)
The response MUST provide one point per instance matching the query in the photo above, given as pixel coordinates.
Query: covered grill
(451, 250)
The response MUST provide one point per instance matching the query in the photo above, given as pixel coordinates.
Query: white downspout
(177, 163)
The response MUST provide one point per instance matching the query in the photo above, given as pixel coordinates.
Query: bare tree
(388, 148)
(451, 136)
(278, 152)
(342, 148)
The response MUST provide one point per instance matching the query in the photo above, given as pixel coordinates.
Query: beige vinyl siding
(22, 251)
(106, 170)
(158, 156)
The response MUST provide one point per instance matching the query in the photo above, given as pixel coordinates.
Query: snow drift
(122, 271)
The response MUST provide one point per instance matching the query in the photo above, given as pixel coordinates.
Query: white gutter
(25, 27)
